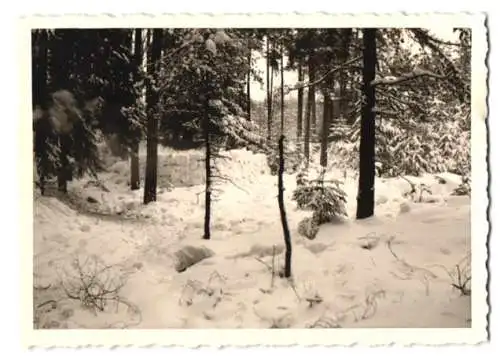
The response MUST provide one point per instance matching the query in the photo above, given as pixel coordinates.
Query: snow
(391, 270)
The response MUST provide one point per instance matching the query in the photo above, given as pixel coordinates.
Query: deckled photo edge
(194, 338)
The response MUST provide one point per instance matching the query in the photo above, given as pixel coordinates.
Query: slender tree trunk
(271, 91)
(281, 204)
(134, 151)
(208, 174)
(300, 104)
(307, 130)
(325, 129)
(249, 79)
(150, 182)
(268, 88)
(366, 191)
(312, 89)
(282, 95)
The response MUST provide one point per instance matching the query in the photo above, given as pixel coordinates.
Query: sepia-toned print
(218, 180)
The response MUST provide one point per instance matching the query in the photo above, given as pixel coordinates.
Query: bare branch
(227, 179)
(328, 73)
(405, 77)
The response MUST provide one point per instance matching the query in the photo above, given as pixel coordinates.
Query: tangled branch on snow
(94, 285)
(197, 288)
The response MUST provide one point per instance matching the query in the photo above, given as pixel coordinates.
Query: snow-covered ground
(393, 270)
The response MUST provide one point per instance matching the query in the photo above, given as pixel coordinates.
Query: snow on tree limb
(456, 79)
(392, 80)
(434, 38)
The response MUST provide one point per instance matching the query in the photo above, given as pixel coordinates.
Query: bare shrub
(94, 284)
(460, 275)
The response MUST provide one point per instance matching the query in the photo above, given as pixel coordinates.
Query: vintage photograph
(253, 177)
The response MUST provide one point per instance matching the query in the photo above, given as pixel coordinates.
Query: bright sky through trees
(258, 91)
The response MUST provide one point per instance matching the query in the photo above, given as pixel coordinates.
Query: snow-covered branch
(394, 80)
(425, 40)
(434, 39)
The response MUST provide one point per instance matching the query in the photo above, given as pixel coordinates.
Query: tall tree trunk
(134, 151)
(268, 89)
(281, 204)
(307, 130)
(282, 94)
(327, 114)
(271, 92)
(150, 182)
(366, 191)
(208, 174)
(249, 79)
(300, 103)
(312, 89)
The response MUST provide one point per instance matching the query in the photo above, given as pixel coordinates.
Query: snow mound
(189, 255)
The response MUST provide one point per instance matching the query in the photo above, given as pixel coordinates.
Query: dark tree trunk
(281, 204)
(366, 191)
(150, 182)
(134, 151)
(300, 104)
(249, 79)
(208, 174)
(135, 182)
(268, 88)
(327, 115)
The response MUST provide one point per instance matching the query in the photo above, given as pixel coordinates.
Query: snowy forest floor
(393, 270)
